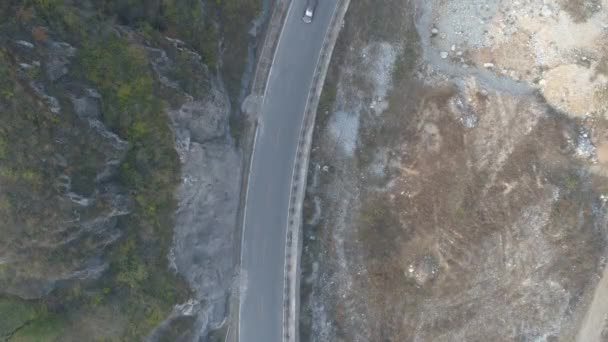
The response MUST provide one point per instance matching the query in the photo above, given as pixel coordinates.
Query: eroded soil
(449, 200)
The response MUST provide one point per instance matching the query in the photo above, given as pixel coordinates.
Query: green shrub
(15, 313)
(3, 147)
(47, 327)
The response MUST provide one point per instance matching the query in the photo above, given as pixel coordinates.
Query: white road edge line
(303, 169)
(241, 287)
(274, 54)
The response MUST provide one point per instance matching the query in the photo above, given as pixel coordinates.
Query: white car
(309, 12)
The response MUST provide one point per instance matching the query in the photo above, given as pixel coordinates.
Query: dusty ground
(458, 180)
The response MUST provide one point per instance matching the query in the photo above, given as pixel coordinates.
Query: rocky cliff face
(60, 186)
(119, 176)
(208, 196)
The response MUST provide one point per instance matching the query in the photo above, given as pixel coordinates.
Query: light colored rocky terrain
(208, 194)
(458, 182)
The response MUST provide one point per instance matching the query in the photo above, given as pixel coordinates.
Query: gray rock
(86, 107)
(206, 120)
(208, 197)
(252, 104)
(205, 222)
(205, 225)
(58, 59)
(51, 101)
(25, 43)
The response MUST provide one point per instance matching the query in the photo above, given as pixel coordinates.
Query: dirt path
(595, 319)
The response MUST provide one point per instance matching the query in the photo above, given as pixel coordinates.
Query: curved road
(270, 176)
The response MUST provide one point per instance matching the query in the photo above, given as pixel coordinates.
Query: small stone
(434, 31)
(93, 93)
(25, 44)
(453, 48)
(488, 65)
(443, 54)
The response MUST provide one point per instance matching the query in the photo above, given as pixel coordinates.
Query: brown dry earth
(457, 184)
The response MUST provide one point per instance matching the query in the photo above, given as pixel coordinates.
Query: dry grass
(473, 234)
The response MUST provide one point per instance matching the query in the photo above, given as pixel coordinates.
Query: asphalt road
(269, 182)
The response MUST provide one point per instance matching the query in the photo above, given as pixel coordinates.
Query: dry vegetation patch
(472, 206)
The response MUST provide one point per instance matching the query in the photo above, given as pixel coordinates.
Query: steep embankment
(94, 98)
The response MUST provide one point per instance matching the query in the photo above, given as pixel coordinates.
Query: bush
(15, 313)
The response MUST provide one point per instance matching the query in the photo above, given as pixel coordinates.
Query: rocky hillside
(101, 104)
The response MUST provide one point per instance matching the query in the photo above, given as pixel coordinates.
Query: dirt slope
(457, 189)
